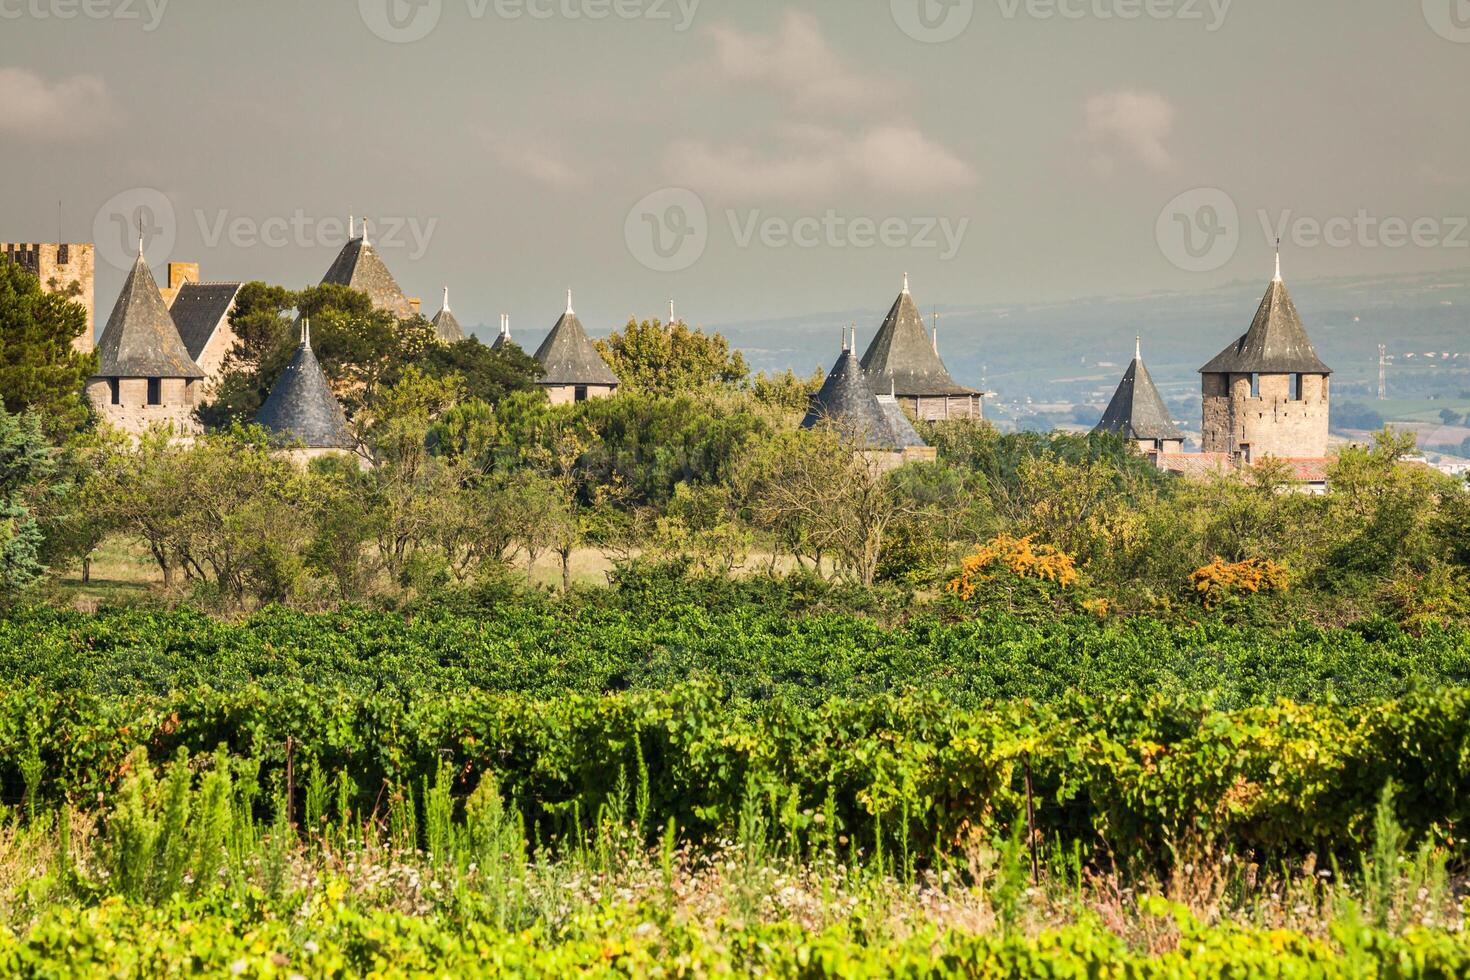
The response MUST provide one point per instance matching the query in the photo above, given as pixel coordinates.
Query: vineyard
(752, 651)
(620, 786)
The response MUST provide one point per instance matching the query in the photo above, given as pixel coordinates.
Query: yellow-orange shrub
(1220, 580)
(1019, 556)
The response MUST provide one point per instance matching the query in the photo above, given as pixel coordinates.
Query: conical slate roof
(903, 430)
(568, 356)
(902, 357)
(301, 407)
(1137, 411)
(1276, 343)
(141, 339)
(446, 327)
(503, 338)
(359, 266)
(847, 402)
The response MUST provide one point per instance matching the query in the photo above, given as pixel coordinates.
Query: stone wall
(59, 266)
(1271, 423)
(211, 360)
(179, 273)
(132, 413)
(567, 394)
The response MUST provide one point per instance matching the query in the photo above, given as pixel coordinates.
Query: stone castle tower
(145, 375)
(904, 362)
(60, 267)
(572, 368)
(1138, 413)
(1267, 394)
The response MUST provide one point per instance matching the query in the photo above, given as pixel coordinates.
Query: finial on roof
(306, 331)
(140, 239)
(1278, 261)
(936, 331)
(1137, 347)
(446, 299)
(505, 324)
(365, 231)
(351, 227)
(569, 302)
(905, 283)
(853, 348)
(671, 312)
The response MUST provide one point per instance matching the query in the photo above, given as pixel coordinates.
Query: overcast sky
(752, 159)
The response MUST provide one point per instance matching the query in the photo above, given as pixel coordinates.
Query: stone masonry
(60, 267)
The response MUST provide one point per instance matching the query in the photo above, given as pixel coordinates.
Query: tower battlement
(68, 268)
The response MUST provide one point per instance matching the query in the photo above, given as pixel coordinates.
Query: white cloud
(73, 109)
(1134, 123)
(537, 160)
(813, 161)
(797, 61)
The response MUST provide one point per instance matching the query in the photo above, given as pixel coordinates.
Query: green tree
(650, 357)
(489, 375)
(40, 369)
(26, 468)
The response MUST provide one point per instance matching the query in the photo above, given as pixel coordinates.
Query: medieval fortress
(1266, 395)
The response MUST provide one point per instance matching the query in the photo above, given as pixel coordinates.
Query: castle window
(580, 393)
(63, 254)
(1296, 387)
(1255, 386)
(114, 391)
(155, 391)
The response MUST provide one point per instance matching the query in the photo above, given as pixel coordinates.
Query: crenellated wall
(1270, 423)
(60, 267)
